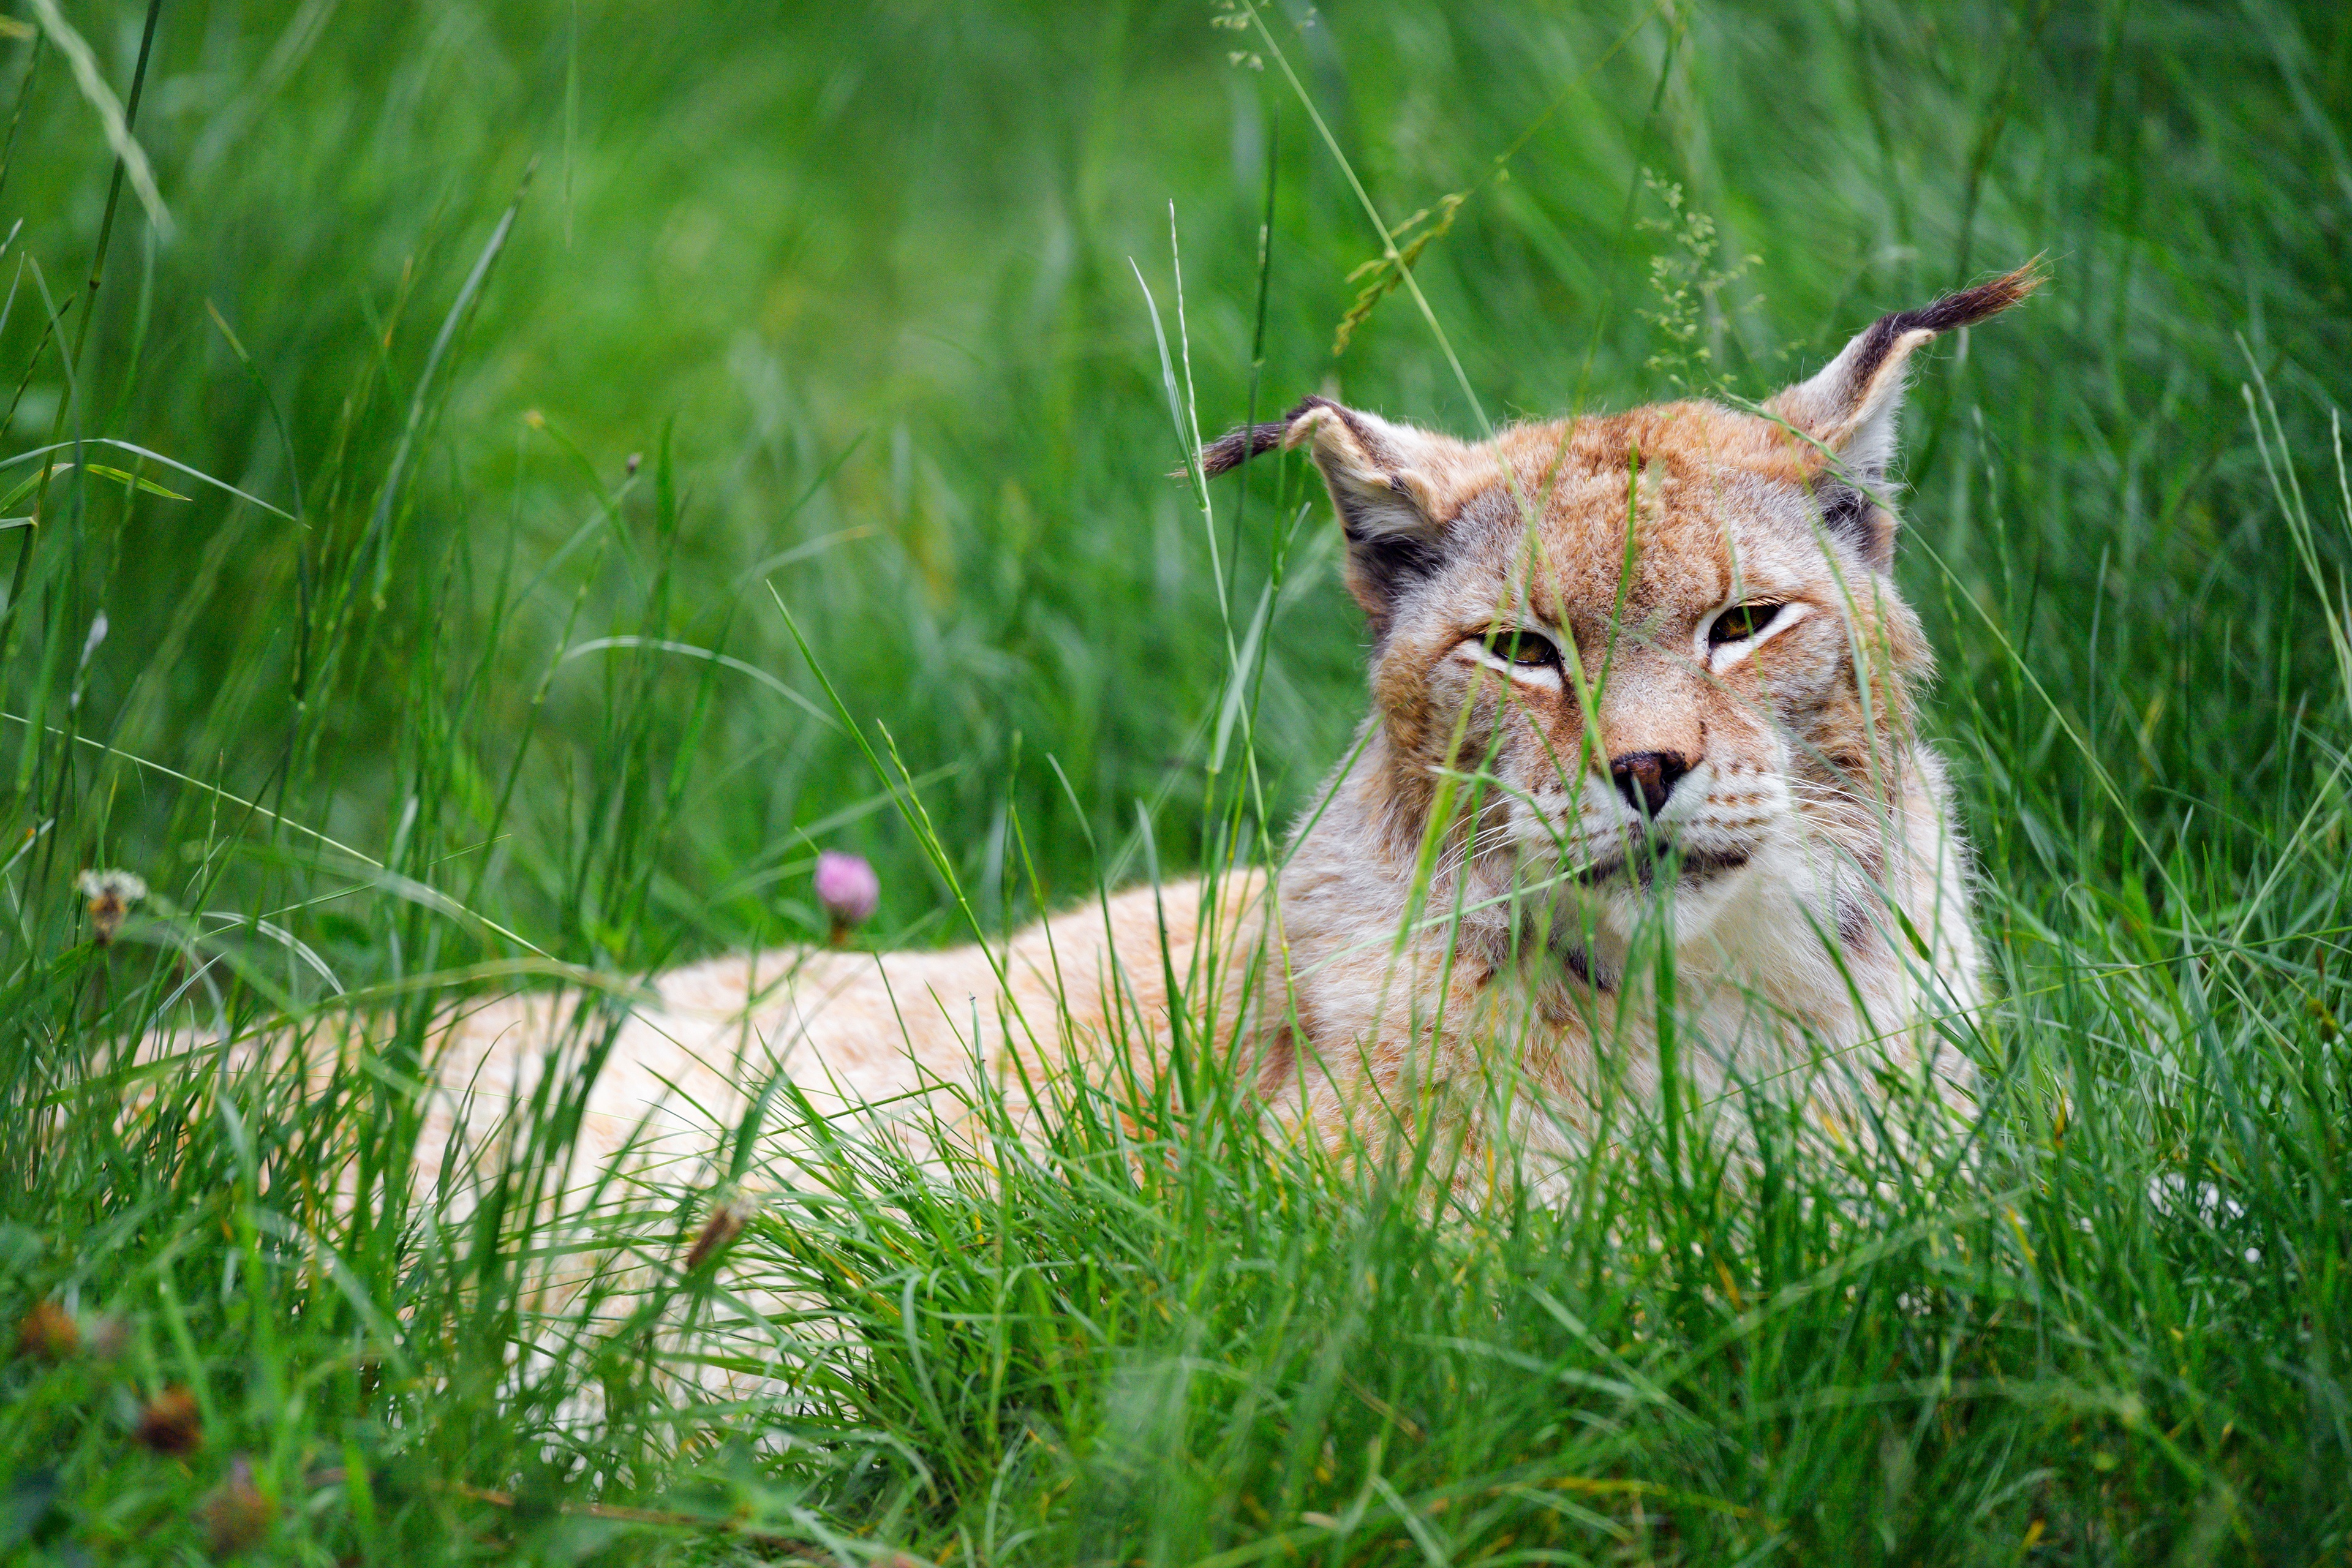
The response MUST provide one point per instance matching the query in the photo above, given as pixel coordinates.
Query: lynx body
(1642, 718)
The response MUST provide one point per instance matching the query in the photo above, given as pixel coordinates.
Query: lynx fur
(1590, 763)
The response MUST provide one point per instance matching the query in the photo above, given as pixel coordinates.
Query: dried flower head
(170, 1423)
(234, 1514)
(112, 895)
(48, 1333)
(848, 890)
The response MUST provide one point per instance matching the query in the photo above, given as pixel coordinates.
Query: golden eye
(1526, 648)
(1741, 622)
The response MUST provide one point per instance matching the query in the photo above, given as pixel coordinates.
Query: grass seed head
(112, 895)
(726, 1222)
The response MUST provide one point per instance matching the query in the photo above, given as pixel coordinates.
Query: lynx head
(1667, 638)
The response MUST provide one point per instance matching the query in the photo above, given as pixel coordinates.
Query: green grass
(856, 284)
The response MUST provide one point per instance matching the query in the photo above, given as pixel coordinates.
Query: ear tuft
(1850, 407)
(1238, 446)
(1865, 381)
(1392, 485)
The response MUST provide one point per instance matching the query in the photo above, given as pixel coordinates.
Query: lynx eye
(1519, 646)
(1741, 622)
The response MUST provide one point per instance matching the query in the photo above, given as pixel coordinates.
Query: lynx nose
(1646, 778)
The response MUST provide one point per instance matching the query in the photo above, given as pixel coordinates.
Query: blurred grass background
(871, 266)
(846, 299)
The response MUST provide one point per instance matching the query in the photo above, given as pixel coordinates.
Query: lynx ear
(1850, 407)
(1393, 486)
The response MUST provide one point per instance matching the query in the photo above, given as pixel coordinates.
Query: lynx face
(1666, 640)
(1677, 721)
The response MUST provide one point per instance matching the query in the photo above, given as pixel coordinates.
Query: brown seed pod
(170, 1423)
(48, 1333)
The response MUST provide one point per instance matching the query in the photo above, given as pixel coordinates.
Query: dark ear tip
(2030, 277)
(2013, 287)
(1238, 446)
(1953, 311)
(1988, 299)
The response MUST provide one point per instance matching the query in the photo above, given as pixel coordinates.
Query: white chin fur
(1712, 815)
(1696, 904)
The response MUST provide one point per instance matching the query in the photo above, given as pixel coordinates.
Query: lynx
(1641, 715)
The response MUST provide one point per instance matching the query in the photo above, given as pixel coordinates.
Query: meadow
(493, 490)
